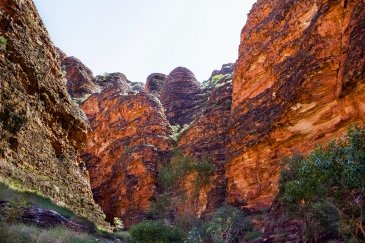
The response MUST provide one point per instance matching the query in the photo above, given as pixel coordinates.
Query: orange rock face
(129, 137)
(80, 79)
(41, 129)
(206, 139)
(299, 81)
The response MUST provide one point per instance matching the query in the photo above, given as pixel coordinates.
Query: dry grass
(18, 233)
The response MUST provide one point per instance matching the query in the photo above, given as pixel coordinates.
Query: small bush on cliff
(327, 188)
(3, 43)
(181, 166)
(155, 232)
(118, 224)
(160, 206)
(177, 131)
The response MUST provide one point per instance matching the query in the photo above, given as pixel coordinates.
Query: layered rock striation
(181, 97)
(129, 138)
(206, 138)
(80, 79)
(155, 84)
(299, 82)
(41, 129)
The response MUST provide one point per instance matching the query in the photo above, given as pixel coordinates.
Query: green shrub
(194, 236)
(155, 232)
(217, 78)
(177, 131)
(172, 178)
(3, 43)
(327, 188)
(186, 220)
(180, 166)
(217, 81)
(160, 206)
(118, 224)
(227, 224)
(252, 235)
(122, 235)
(13, 211)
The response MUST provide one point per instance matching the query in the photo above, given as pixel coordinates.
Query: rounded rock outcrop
(155, 84)
(181, 96)
(80, 79)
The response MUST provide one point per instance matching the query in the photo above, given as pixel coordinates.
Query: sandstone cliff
(206, 139)
(155, 84)
(80, 79)
(181, 97)
(299, 82)
(41, 129)
(129, 138)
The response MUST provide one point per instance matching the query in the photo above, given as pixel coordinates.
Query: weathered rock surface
(207, 136)
(61, 55)
(227, 69)
(299, 81)
(129, 138)
(80, 79)
(155, 84)
(181, 97)
(41, 129)
(113, 83)
(46, 218)
(118, 83)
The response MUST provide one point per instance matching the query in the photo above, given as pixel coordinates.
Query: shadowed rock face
(181, 97)
(155, 84)
(80, 79)
(299, 82)
(206, 138)
(41, 129)
(129, 138)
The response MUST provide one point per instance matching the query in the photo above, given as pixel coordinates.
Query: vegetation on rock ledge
(3, 43)
(28, 217)
(181, 166)
(327, 189)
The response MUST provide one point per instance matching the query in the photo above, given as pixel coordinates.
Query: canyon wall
(205, 139)
(299, 82)
(80, 79)
(129, 138)
(41, 129)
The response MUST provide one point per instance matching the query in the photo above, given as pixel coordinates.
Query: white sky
(140, 37)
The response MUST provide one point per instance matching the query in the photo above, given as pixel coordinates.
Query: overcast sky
(140, 37)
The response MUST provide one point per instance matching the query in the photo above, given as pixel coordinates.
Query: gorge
(100, 144)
